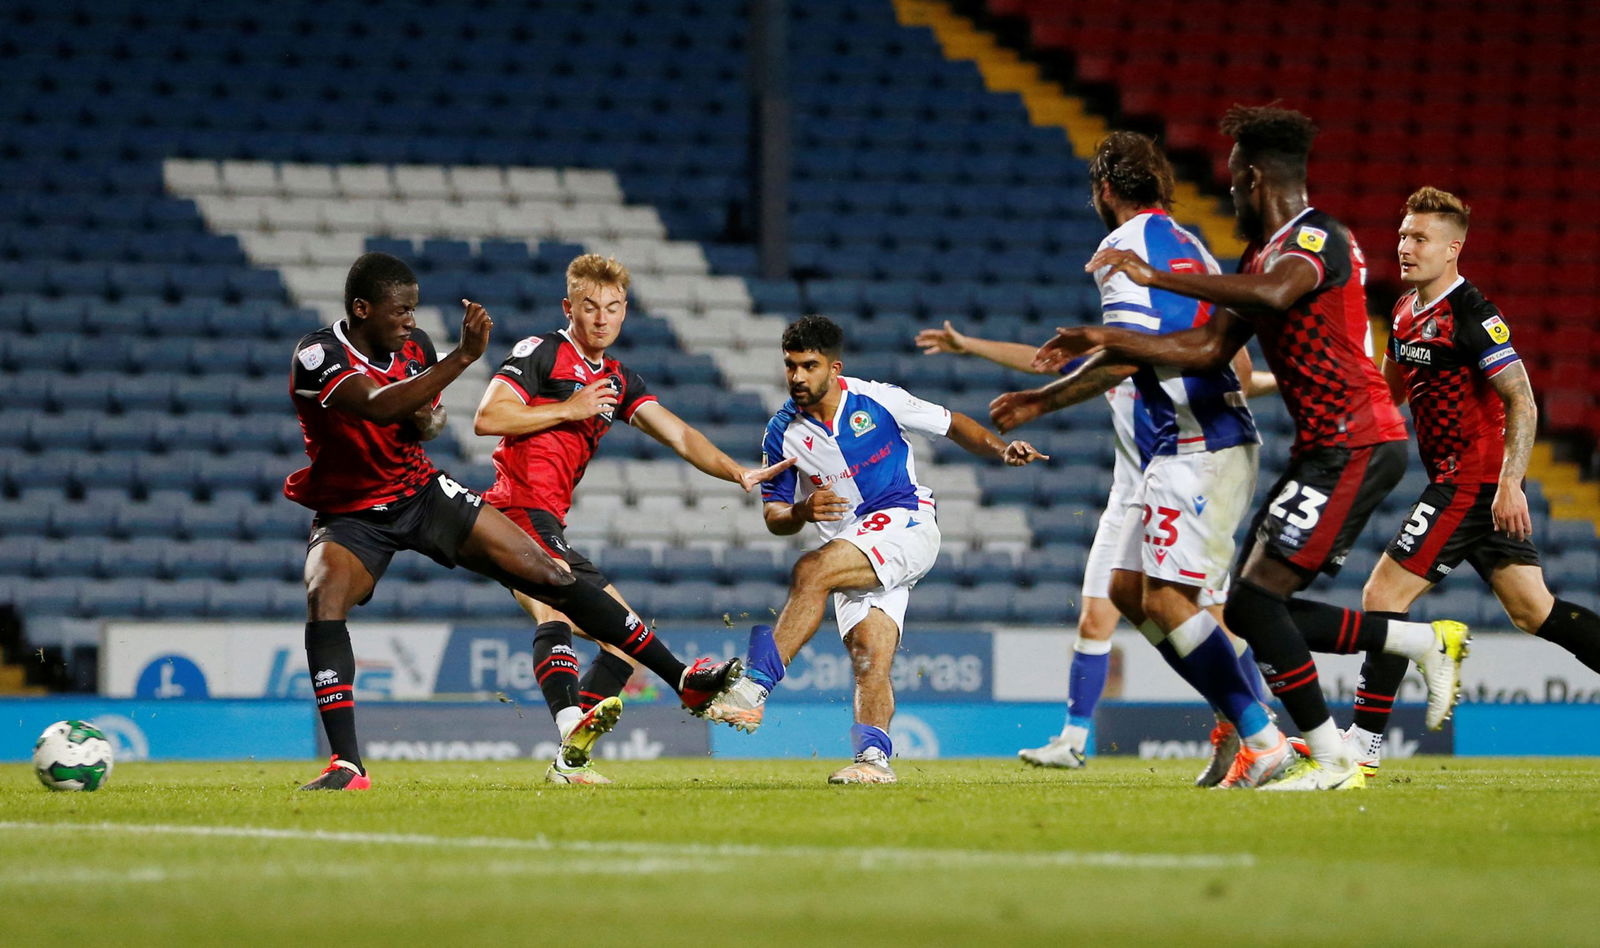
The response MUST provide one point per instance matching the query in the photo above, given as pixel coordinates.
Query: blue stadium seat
(133, 559)
(183, 598)
(628, 565)
(241, 600)
(112, 598)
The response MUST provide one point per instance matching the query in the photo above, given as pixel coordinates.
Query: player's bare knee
(810, 573)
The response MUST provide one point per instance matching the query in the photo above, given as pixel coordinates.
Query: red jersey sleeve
(320, 366)
(634, 394)
(528, 366)
(1327, 248)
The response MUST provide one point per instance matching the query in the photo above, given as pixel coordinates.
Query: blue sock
(762, 664)
(863, 736)
(1182, 668)
(1085, 683)
(1214, 671)
(1252, 676)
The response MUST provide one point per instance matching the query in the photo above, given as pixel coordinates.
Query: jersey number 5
(1299, 505)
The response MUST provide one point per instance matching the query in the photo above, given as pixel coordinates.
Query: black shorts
(1318, 508)
(1455, 522)
(547, 531)
(434, 521)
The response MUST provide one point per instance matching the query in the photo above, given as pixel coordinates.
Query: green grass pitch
(707, 852)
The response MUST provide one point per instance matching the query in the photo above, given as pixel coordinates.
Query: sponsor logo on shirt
(1412, 352)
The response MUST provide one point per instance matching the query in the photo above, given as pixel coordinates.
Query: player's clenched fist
(1014, 409)
(823, 505)
(596, 398)
(475, 326)
(1018, 453)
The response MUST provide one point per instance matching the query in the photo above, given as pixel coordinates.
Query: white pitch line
(861, 857)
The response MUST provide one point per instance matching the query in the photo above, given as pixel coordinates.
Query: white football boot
(870, 766)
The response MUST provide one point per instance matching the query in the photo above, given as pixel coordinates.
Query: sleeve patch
(1504, 354)
(310, 357)
(1312, 239)
(1497, 329)
(525, 347)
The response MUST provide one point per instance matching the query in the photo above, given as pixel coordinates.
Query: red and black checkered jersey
(540, 470)
(355, 464)
(1447, 352)
(1320, 347)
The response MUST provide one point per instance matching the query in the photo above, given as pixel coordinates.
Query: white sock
(1368, 743)
(1092, 646)
(1265, 739)
(567, 719)
(1327, 745)
(1152, 632)
(1411, 639)
(1076, 737)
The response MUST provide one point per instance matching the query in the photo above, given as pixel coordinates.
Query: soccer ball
(72, 755)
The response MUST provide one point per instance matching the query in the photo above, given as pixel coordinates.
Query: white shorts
(1181, 528)
(1103, 551)
(902, 546)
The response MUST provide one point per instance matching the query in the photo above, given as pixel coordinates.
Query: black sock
(606, 620)
(1262, 618)
(1381, 674)
(333, 681)
(608, 674)
(555, 665)
(1328, 628)
(1575, 629)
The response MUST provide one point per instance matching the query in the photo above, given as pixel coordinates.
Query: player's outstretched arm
(821, 506)
(400, 401)
(687, 441)
(1012, 355)
(1096, 376)
(979, 440)
(1207, 346)
(502, 413)
(1290, 278)
(1510, 506)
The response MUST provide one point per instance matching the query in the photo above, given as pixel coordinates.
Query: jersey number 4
(1299, 505)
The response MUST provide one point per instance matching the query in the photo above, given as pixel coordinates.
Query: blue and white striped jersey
(862, 453)
(1191, 410)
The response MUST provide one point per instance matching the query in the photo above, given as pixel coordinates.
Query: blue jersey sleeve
(780, 489)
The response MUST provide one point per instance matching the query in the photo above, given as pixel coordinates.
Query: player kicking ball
(855, 479)
(551, 401)
(366, 390)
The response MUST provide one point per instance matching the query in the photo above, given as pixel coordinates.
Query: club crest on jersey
(1497, 328)
(310, 357)
(526, 346)
(1430, 329)
(1312, 239)
(413, 367)
(861, 422)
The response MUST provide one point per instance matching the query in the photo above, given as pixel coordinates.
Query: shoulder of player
(1467, 300)
(1319, 232)
(781, 420)
(324, 337)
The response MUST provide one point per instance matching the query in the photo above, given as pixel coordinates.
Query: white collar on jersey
(1417, 298)
(593, 366)
(1285, 228)
(338, 330)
